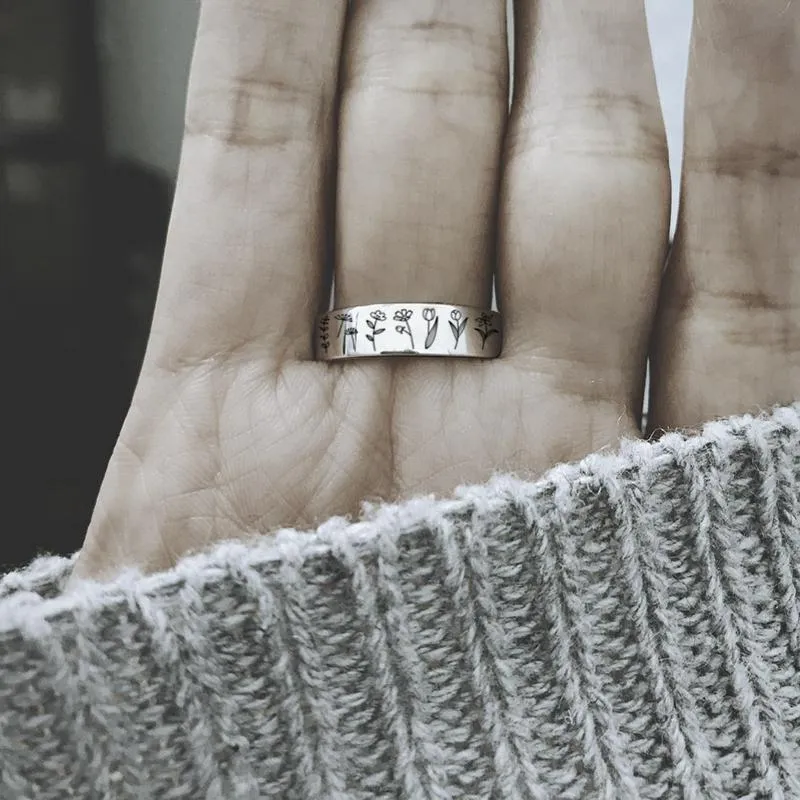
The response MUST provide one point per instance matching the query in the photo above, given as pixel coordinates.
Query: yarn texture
(625, 627)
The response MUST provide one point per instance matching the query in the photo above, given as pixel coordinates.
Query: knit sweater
(625, 627)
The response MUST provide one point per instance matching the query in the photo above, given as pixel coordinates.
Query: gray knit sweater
(627, 627)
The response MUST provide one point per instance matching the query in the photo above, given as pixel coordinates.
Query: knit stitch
(626, 627)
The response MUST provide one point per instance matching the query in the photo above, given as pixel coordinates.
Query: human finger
(584, 209)
(728, 337)
(245, 257)
(424, 105)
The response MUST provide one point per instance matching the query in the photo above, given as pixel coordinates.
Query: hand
(234, 430)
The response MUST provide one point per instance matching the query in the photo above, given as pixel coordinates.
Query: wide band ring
(409, 329)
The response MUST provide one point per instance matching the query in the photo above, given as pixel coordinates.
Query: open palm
(375, 144)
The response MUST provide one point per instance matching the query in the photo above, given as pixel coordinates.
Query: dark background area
(83, 221)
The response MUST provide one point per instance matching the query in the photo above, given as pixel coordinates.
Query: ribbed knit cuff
(627, 627)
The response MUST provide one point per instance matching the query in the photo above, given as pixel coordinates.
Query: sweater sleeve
(625, 627)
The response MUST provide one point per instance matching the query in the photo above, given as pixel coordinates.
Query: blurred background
(92, 96)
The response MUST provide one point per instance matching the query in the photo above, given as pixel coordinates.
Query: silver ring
(409, 329)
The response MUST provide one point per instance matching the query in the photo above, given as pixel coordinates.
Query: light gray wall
(146, 48)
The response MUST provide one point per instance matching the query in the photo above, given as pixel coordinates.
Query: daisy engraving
(376, 317)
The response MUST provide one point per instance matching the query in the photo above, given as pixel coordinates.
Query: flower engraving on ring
(324, 334)
(343, 320)
(376, 317)
(432, 319)
(485, 330)
(404, 315)
(458, 324)
(350, 334)
(414, 329)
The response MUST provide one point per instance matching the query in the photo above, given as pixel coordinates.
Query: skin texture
(379, 141)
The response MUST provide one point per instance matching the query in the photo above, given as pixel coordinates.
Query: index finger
(245, 255)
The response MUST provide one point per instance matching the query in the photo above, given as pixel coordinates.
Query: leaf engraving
(431, 337)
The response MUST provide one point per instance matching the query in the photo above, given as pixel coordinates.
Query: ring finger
(424, 103)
